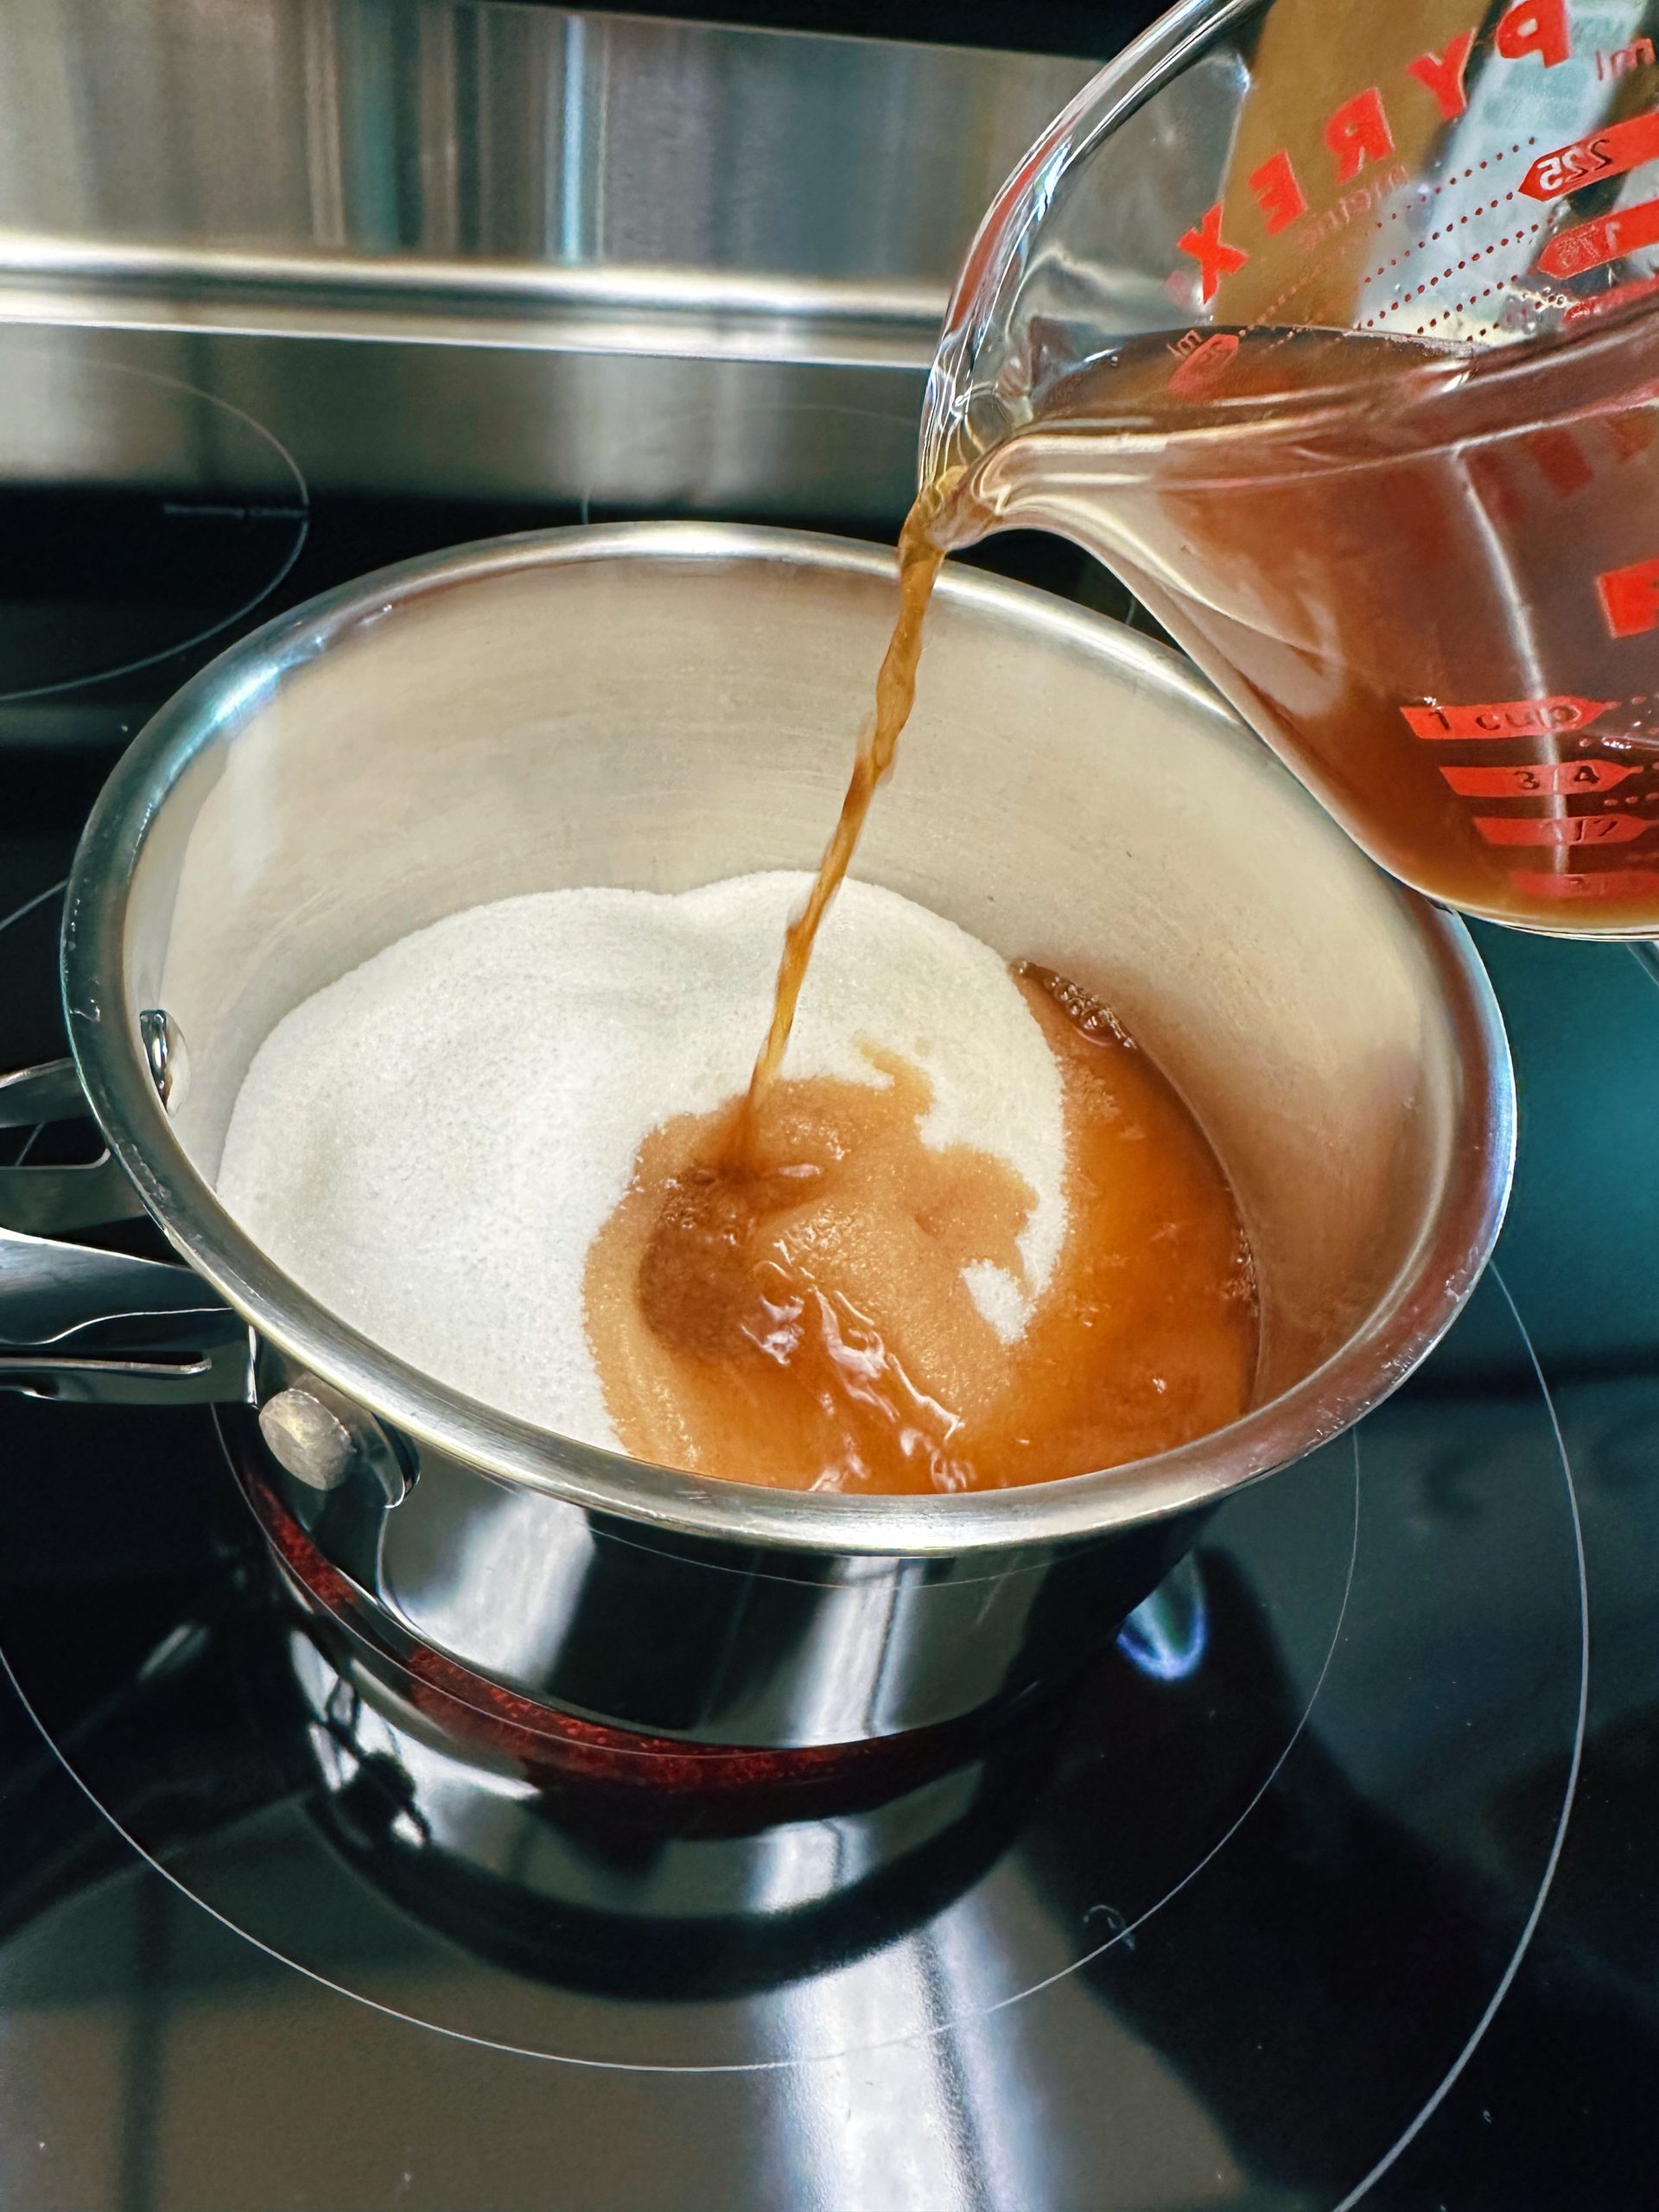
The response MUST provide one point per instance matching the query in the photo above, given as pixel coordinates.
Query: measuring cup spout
(1072, 253)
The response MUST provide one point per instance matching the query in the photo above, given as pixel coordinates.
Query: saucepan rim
(102, 1022)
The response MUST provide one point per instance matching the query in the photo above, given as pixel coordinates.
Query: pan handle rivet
(165, 1055)
(321, 1438)
(307, 1438)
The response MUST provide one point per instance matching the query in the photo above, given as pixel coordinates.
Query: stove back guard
(583, 261)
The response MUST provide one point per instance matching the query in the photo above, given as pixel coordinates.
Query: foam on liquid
(800, 1311)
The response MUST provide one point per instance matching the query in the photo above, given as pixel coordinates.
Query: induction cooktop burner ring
(1119, 1933)
(99, 365)
(1558, 1842)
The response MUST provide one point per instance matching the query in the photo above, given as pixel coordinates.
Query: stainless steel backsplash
(484, 250)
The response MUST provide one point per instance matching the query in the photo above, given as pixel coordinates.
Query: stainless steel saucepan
(657, 706)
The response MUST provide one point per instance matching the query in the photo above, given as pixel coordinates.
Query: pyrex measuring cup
(1334, 330)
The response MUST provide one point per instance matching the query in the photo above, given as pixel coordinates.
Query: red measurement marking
(1629, 598)
(1632, 433)
(1205, 364)
(1605, 153)
(1588, 246)
(1566, 466)
(1610, 302)
(1561, 828)
(1537, 27)
(1508, 717)
(1357, 132)
(1442, 74)
(1215, 258)
(1560, 777)
(1611, 883)
(1279, 192)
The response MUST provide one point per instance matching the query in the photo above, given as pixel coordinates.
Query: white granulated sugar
(429, 1145)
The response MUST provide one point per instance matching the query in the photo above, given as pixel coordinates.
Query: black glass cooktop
(1333, 1883)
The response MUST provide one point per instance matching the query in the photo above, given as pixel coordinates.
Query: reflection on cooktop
(1269, 1848)
(95, 585)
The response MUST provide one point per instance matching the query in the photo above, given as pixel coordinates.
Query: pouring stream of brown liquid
(782, 1295)
(920, 559)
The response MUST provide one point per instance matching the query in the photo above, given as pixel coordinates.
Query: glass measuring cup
(1335, 334)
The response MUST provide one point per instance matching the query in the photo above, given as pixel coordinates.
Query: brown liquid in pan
(790, 1310)
(779, 1299)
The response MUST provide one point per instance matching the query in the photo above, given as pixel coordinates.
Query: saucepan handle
(99, 1327)
(56, 1201)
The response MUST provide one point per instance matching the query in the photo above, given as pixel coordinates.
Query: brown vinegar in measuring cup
(1335, 331)
(1429, 578)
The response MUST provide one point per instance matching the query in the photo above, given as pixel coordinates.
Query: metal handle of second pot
(55, 1201)
(99, 1327)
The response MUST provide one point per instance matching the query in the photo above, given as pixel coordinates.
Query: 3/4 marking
(1501, 718)
(1611, 152)
(1561, 829)
(1560, 779)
